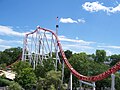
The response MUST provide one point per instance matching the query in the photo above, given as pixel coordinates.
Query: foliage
(49, 64)
(4, 58)
(52, 87)
(19, 66)
(79, 63)
(4, 82)
(49, 79)
(85, 66)
(44, 78)
(114, 59)
(68, 54)
(11, 84)
(117, 81)
(8, 56)
(51, 82)
(53, 77)
(100, 56)
(27, 78)
(103, 83)
(14, 86)
(3, 66)
(42, 69)
(25, 75)
(41, 83)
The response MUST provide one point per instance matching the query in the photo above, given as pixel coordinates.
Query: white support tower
(113, 82)
(70, 81)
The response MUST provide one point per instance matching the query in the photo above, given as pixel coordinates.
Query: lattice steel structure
(41, 43)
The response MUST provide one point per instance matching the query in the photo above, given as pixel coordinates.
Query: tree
(49, 79)
(100, 56)
(52, 81)
(10, 55)
(68, 54)
(114, 59)
(4, 58)
(117, 81)
(4, 82)
(42, 69)
(87, 67)
(3, 66)
(14, 86)
(27, 78)
(54, 78)
(25, 75)
(79, 62)
(41, 83)
(11, 84)
(19, 66)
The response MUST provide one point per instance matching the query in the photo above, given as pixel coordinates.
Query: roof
(8, 74)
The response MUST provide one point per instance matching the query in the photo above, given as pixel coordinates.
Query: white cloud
(96, 6)
(5, 44)
(10, 41)
(115, 9)
(83, 47)
(67, 20)
(6, 30)
(63, 38)
(3, 47)
(77, 48)
(81, 20)
(76, 45)
(1, 41)
(112, 47)
(70, 20)
(76, 38)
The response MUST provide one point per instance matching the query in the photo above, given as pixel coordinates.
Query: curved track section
(18, 59)
(74, 72)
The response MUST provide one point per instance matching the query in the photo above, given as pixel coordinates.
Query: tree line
(44, 76)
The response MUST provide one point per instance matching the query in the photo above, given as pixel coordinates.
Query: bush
(4, 82)
(14, 86)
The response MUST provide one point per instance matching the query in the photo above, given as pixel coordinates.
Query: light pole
(56, 43)
(57, 26)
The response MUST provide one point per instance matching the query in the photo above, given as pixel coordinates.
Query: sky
(84, 25)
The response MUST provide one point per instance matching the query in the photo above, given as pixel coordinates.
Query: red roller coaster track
(19, 57)
(72, 70)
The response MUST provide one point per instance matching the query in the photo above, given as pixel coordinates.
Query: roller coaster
(41, 43)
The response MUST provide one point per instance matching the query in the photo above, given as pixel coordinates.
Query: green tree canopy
(85, 66)
(68, 54)
(100, 56)
(52, 81)
(114, 59)
(42, 69)
(10, 55)
(25, 75)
